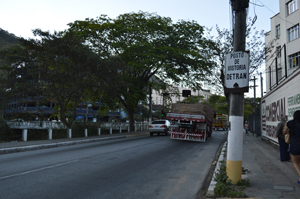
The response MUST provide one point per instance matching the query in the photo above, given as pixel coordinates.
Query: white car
(159, 126)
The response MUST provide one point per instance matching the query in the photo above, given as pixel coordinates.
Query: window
(294, 60)
(292, 6)
(278, 51)
(293, 33)
(277, 30)
(279, 73)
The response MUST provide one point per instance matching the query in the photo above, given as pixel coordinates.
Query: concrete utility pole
(236, 112)
(254, 87)
(261, 97)
(150, 104)
(254, 129)
(261, 86)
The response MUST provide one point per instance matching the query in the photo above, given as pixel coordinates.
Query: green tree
(193, 99)
(248, 109)
(213, 100)
(7, 40)
(146, 45)
(222, 106)
(249, 104)
(218, 103)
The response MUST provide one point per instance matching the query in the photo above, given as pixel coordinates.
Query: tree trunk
(131, 118)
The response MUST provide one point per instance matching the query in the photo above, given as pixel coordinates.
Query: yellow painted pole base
(234, 171)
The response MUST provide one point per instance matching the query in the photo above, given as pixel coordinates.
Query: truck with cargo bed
(191, 122)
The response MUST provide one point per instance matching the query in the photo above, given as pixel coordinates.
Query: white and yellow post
(236, 113)
(235, 149)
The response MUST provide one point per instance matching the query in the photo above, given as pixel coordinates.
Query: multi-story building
(32, 106)
(157, 96)
(283, 39)
(282, 68)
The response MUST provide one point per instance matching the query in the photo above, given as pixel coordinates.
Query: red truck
(190, 122)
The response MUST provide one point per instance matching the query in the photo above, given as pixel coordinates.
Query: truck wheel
(151, 134)
(208, 131)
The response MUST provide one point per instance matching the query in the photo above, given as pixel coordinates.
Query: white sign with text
(237, 70)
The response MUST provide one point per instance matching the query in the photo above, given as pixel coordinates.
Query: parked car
(159, 126)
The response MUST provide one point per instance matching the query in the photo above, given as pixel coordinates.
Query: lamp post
(87, 111)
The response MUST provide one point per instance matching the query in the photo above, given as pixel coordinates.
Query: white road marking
(36, 170)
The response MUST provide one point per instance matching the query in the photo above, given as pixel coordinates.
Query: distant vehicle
(220, 122)
(159, 126)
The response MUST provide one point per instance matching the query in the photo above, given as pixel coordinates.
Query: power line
(255, 15)
(275, 13)
(256, 5)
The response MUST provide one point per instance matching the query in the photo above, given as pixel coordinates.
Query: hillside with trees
(7, 40)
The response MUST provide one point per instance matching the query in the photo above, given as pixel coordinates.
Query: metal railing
(36, 125)
(60, 125)
(38, 130)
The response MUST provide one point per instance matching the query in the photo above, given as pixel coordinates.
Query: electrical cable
(275, 13)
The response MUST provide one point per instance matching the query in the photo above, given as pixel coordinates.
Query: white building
(282, 68)
(157, 97)
(284, 37)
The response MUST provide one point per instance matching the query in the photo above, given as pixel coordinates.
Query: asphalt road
(140, 167)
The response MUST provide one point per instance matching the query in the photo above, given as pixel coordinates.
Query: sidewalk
(269, 177)
(12, 147)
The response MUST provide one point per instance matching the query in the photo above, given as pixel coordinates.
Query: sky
(20, 17)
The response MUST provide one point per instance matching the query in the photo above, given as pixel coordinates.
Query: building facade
(282, 96)
(157, 96)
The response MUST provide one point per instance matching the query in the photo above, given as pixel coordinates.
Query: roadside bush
(59, 133)
(78, 128)
(4, 127)
(37, 134)
(221, 175)
(5, 131)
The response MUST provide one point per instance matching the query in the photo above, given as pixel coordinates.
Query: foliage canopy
(143, 45)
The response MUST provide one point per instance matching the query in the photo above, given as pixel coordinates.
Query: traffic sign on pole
(237, 72)
(236, 83)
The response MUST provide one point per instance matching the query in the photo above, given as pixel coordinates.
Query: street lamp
(87, 111)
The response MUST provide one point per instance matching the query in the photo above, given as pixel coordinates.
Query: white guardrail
(138, 126)
(60, 125)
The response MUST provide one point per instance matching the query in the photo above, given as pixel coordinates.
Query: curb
(210, 191)
(52, 145)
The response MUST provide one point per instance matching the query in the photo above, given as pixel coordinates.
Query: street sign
(237, 72)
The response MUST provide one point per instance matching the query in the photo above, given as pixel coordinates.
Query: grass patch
(224, 187)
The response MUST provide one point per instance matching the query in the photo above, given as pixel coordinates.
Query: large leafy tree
(7, 40)
(55, 67)
(218, 103)
(144, 45)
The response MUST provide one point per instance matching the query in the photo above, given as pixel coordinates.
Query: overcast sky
(20, 17)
